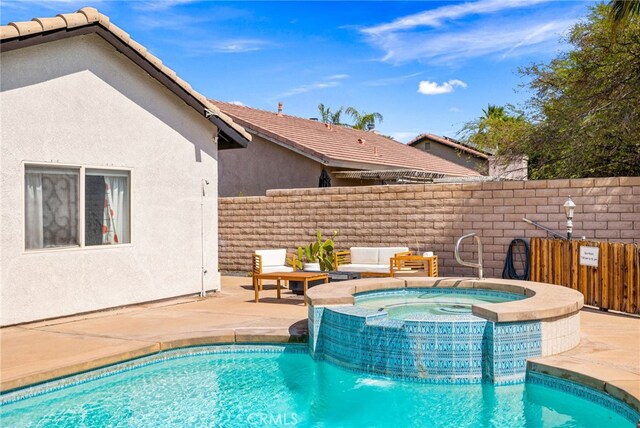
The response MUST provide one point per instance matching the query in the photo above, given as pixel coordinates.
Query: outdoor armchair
(267, 261)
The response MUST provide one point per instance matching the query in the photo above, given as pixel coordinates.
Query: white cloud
(388, 81)
(508, 39)
(238, 45)
(237, 103)
(436, 17)
(432, 88)
(308, 88)
(455, 110)
(230, 46)
(158, 5)
(443, 36)
(328, 82)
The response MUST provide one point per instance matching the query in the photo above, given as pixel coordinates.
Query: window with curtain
(51, 207)
(53, 201)
(106, 207)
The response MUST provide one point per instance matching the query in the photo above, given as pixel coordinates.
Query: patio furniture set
(357, 262)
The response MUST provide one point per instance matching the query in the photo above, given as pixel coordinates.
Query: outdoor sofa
(369, 261)
(384, 261)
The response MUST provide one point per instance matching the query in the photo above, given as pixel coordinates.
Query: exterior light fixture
(569, 206)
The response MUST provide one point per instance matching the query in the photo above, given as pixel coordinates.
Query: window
(51, 207)
(427, 146)
(54, 207)
(106, 207)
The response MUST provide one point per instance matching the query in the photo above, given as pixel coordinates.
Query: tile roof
(87, 17)
(339, 146)
(451, 143)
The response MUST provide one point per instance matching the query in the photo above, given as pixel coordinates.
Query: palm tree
(494, 112)
(328, 116)
(361, 120)
(335, 117)
(325, 113)
(622, 10)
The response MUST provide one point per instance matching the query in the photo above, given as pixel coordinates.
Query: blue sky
(425, 66)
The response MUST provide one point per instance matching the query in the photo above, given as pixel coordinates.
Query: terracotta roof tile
(74, 20)
(25, 28)
(49, 24)
(121, 34)
(92, 14)
(339, 145)
(8, 32)
(89, 15)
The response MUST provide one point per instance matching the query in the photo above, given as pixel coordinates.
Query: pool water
(406, 304)
(241, 387)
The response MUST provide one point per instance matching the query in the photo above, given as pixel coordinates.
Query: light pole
(569, 207)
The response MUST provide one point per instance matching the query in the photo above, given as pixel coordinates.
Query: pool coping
(543, 301)
(243, 335)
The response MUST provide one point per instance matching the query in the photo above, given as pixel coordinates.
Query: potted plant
(317, 255)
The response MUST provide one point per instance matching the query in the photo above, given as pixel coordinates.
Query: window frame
(82, 172)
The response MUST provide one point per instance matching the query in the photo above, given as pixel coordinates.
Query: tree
(327, 116)
(494, 112)
(502, 130)
(622, 10)
(361, 120)
(583, 119)
(325, 113)
(335, 117)
(620, 13)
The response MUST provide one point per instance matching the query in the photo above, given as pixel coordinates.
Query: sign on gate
(589, 256)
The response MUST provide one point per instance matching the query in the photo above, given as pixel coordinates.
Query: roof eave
(228, 137)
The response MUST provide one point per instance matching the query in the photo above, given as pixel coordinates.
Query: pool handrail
(470, 264)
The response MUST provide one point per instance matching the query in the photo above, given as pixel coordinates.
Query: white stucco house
(108, 178)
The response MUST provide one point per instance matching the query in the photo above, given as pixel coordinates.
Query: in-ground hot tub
(442, 330)
(418, 303)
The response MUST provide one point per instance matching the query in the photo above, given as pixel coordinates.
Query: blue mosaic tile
(439, 348)
(55, 385)
(585, 392)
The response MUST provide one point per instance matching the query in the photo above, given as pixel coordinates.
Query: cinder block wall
(428, 217)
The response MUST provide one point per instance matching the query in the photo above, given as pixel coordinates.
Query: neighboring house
(466, 155)
(453, 150)
(105, 154)
(291, 152)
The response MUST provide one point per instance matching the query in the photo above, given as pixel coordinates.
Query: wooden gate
(614, 284)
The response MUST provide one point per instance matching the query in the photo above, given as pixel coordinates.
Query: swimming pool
(416, 303)
(244, 386)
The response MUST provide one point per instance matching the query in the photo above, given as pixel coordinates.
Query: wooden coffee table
(305, 277)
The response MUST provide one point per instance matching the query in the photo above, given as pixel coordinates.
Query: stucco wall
(456, 156)
(78, 101)
(429, 217)
(263, 166)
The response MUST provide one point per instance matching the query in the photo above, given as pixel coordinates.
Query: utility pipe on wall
(203, 183)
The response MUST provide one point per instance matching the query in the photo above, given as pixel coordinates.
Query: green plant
(317, 252)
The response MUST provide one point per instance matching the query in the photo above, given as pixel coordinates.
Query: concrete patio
(607, 358)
